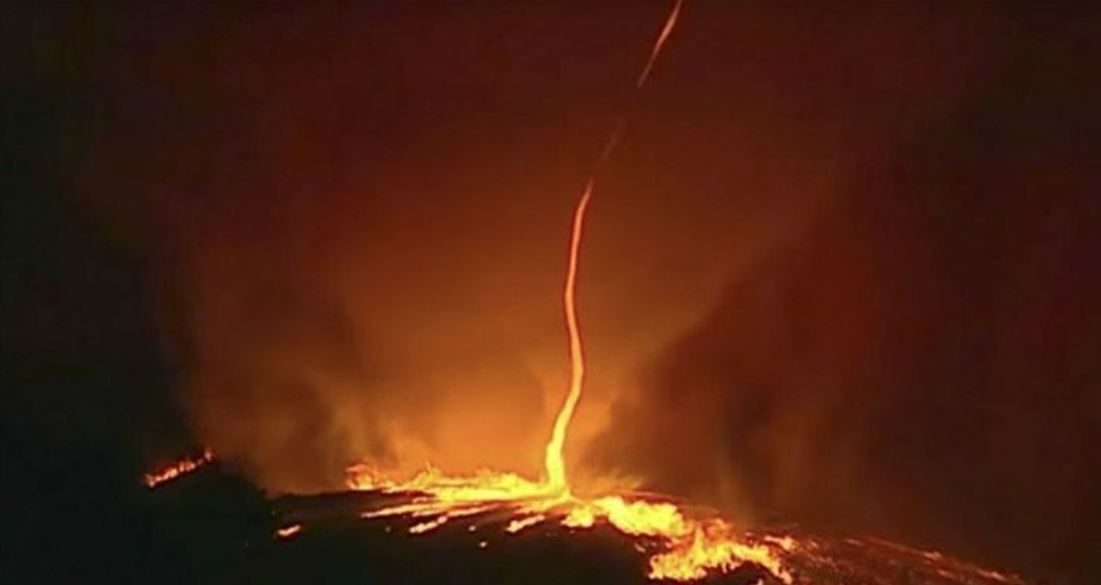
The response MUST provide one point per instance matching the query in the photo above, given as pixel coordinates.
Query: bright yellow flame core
(688, 547)
(288, 531)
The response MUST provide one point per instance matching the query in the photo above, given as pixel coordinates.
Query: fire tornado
(555, 464)
(687, 548)
(679, 544)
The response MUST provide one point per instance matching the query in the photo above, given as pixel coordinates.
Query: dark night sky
(844, 268)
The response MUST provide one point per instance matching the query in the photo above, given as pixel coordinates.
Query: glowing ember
(287, 532)
(526, 522)
(177, 468)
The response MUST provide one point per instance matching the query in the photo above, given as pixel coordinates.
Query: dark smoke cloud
(921, 360)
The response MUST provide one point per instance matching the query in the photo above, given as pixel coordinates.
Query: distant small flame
(429, 525)
(287, 532)
(177, 468)
(524, 522)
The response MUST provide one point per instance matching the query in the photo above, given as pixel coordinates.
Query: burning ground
(325, 537)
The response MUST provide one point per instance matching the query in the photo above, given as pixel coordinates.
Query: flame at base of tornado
(686, 548)
(680, 545)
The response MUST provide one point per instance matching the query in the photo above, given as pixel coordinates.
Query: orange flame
(670, 24)
(692, 546)
(554, 462)
(177, 468)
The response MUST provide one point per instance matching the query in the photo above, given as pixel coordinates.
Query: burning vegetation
(177, 468)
